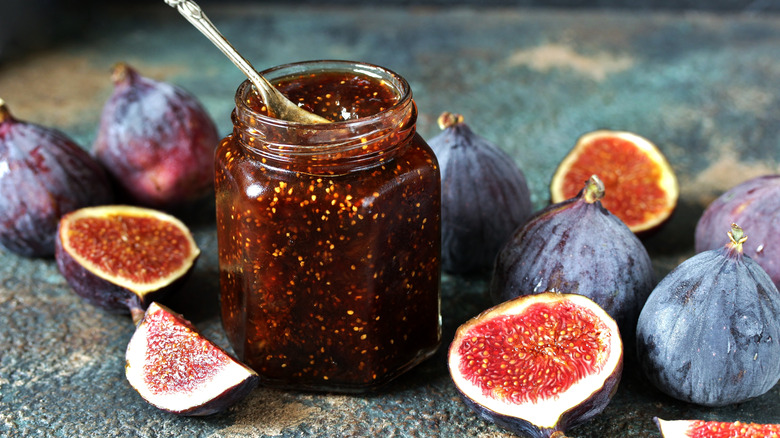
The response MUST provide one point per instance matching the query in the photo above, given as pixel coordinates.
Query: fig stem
(737, 237)
(5, 114)
(558, 434)
(448, 120)
(137, 314)
(593, 190)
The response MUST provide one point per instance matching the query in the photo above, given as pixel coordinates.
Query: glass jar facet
(329, 238)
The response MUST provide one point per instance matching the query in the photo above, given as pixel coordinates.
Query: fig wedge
(117, 256)
(715, 429)
(176, 369)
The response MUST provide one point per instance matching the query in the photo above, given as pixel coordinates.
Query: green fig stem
(594, 190)
(448, 120)
(737, 237)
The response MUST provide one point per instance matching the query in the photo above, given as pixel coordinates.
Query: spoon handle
(274, 99)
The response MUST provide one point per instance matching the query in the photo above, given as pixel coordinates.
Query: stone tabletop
(703, 87)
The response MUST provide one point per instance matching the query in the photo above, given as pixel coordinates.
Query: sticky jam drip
(177, 358)
(737, 429)
(629, 175)
(535, 355)
(141, 249)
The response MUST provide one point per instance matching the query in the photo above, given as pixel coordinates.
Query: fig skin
(223, 379)
(43, 175)
(113, 294)
(574, 406)
(485, 197)
(156, 141)
(709, 333)
(755, 205)
(577, 246)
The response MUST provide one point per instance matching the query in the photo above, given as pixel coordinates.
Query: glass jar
(329, 234)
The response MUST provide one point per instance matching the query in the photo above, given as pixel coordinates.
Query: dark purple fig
(484, 194)
(755, 205)
(176, 369)
(577, 246)
(43, 175)
(710, 331)
(118, 257)
(538, 364)
(156, 140)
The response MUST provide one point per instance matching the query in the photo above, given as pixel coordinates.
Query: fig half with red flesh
(538, 364)
(176, 369)
(118, 257)
(715, 429)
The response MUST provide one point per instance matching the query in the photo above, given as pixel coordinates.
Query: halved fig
(176, 369)
(538, 364)
(118, 256)
(642, 186)
(715, 429)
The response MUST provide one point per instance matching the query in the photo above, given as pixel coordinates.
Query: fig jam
(329, 235)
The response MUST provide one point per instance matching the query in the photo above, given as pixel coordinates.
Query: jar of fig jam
(329, 235)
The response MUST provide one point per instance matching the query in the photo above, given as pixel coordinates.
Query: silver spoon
(278, 104)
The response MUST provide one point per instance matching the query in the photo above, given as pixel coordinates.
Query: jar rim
(399, 85)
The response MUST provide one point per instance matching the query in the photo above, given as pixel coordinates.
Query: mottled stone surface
(703, 87)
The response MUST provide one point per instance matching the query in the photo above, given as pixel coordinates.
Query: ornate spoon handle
(276, 101)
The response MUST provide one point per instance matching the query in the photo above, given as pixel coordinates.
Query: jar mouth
(398, 84)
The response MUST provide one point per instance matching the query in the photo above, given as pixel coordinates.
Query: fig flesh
(715, 429)
(156, 141)
(642, 184)
(43, 175)
(710, 331)
(755, 205)
(485, 196)
(577, 246)
(538, 364)
(118, 257)
(176, 369)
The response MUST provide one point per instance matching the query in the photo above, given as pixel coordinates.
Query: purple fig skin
(577, 246)
(485, 197)
(43, 175)
(156, 141)
(709, 333)
(569, 419)
(755, 206)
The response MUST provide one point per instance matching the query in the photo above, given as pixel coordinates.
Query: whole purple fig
(577, 246)
(710, 331)
(43, 175)
(156, 140)
(755, 205)
(484, 196)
